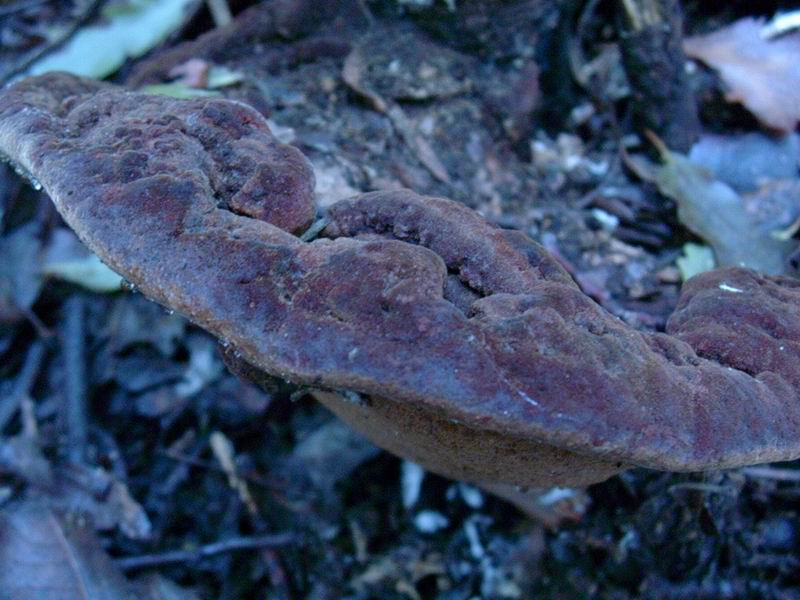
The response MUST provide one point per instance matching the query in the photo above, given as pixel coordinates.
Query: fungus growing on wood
(443, 338)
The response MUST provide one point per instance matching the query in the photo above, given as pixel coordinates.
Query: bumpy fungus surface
(415, 302)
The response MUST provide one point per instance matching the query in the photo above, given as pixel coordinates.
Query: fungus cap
(456, 332)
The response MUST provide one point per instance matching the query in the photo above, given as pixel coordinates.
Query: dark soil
(477, 105)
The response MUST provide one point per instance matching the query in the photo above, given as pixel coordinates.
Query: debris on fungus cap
(441, 337)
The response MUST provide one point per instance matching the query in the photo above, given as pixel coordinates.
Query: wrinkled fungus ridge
(402, 296)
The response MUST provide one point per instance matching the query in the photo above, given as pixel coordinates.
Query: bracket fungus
(472, 352)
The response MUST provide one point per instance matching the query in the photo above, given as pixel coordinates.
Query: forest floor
(477, 105)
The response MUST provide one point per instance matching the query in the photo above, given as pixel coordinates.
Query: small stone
(430, 521)
(411, 478)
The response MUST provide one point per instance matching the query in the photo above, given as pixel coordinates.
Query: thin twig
(180, 470)
(362, 6)
(15, 7)
(41, 329)
(49, 46)
(193, 461)
(133, 563)
(354, 68)
(224, 452)
(708, 488)
(220, 12)
(642, 13)
(632, 12)
(773, 473)
(74, 350)
(22, 387)
(315, 229)
(575, 53)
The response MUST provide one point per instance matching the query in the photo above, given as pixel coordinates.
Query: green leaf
(696, 259)
(714, 211)
(223, 76)
(177, 90)
(88, 272)
(99, 49)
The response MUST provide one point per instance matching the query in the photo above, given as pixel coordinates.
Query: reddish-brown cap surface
(411, 298)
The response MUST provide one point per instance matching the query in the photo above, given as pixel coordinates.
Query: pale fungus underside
(473, 351)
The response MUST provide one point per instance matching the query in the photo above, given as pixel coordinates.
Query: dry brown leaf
(763, 74)
(155, 586)
(193, 72)
(47, 554)
(43, 557)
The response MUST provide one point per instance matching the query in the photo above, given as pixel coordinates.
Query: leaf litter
(615, 543)
(761, 71)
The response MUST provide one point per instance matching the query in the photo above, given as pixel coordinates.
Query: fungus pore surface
(404, 297)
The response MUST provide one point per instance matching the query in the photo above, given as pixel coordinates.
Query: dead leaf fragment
(747, 161)
(101, 499)
(194, 72)
(155, 586)
(696, 259)
(43, 556)
(762, 74)
(763, 170)
(102, 46)
(20, 280)
(353, 75)
(66, 258)
(717, 213)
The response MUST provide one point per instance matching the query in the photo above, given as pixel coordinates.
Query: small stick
(132, 563)
(74, 349)
(210, 466)
(362, 6)
(9, 8)
(315, 229)
(224, 452)
(220, 12)
(180, 470)
(708, 488)
(86, 14)
(41, 329)
(30, 369)
(774, 473)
